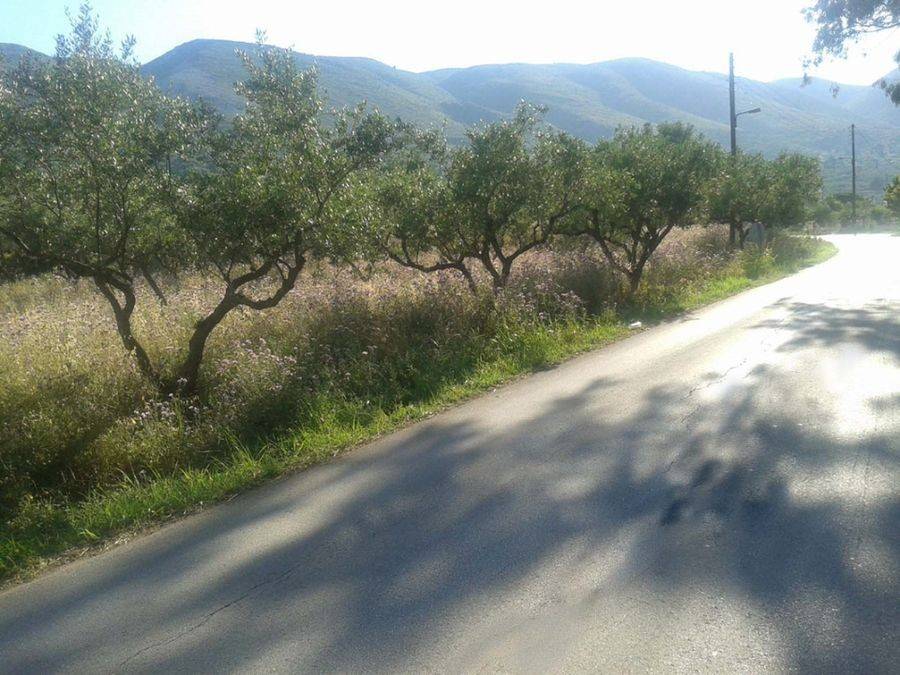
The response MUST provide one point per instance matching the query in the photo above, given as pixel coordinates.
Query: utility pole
(733, 113)
(853, 169)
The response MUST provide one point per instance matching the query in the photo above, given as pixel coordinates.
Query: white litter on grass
(635, 324)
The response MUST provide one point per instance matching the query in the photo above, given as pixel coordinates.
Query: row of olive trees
(103, 177)
(515, 185)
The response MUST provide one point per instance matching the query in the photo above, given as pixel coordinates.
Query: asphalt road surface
(719, 493)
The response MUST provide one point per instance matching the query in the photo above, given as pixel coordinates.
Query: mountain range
(588, 100)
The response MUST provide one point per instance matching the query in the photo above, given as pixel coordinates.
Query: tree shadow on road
(672, 497)
(875, 327)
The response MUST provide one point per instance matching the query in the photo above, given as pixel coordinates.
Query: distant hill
(587, 100)
(11, 54)
(209, 69)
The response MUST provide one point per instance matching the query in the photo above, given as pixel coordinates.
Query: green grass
(46, 531)
(718, 289)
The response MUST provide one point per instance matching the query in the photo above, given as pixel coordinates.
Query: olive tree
(795, 186)
(752, 189)
(281, 187)
(739, 194)
(641, 185)
(86, 153)
(414, 202)
(777, 193)
(92, 144)
(482, 205)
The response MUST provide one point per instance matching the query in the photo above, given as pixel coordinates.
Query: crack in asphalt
(710, 383)
(766, 345)
(273, 579)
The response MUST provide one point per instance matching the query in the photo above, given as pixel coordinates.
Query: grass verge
(50, 532)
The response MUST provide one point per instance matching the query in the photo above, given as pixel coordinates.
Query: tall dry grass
(75, 415)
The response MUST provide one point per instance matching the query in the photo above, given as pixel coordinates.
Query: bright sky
(769, 37)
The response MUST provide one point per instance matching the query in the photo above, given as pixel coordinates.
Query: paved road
(716, 494)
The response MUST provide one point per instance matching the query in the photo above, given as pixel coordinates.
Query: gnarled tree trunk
(188, 375)
(123, 311)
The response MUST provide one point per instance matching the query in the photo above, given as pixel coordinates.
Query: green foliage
(86, 152)
(796, 185)
(642, 184)
(892, 196)
(841, 22)
(486, 203)
(87, 145)
(751, 189)
(280, 187)
(87, 182)
(739, 194)
(836, 211)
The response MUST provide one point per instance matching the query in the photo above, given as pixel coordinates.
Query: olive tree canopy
(642, 184)
(751, 189)
(87, 146)
(104, 177)
(482, 205)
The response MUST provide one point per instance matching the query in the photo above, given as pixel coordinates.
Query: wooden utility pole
(853, 169)
(733, 115)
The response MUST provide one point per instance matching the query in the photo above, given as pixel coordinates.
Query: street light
(734, 115)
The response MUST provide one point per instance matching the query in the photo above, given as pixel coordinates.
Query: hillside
(209, 69)
(587, 100)
(11, 54)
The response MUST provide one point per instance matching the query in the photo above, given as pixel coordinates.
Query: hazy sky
(769, 37)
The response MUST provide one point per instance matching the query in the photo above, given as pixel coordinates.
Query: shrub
(892, 196)
(756, 261)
